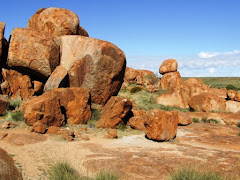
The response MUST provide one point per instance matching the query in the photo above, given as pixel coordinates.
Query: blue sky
(202, 35)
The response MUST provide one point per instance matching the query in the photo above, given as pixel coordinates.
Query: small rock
(38, 127)
(111, 134)
(8, 124)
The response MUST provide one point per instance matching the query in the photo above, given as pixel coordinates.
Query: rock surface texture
(167, 66)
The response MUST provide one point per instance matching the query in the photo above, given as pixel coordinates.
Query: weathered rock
(58, 79)
(82, 32)
(40, 128)
(2, 29)
(111, 134)
(38, 87)
(4, 104)
(208, 102)
(169, 65)
(170, 80)
(161, 125)
(146, 77)
(16, 84)
(55, 21)
(233, 95)
(65, 133)
(52, 107)
(130, 75)
(7, 125)
(94, 64)
(183, 118)
(115, 113)
(219, 92)
(33, 50)
(8, 170)
(137, 121)
(232, 106)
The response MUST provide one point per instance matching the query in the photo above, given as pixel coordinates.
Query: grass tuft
(196, 120)
(135, 89)
(96, 114)
(14, 116)
(107, 175)
(16, 103)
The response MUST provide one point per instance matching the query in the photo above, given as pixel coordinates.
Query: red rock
(57, 79)
(8, 169)
(208, 102)
(146, 77)
(4, 104)
(111, 134)
(33, 50)
(183, 118)
(38, 87)
(232, 106)
(94, 64)
(137, 122)
(219, 92)
(55, 21)
(82, 32)
(38, 127)
(115, 113)
(167, 66)
(170, 80)
(161, 125)
(65, 133)
(130, 75)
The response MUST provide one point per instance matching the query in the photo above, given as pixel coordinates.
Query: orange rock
(4, 104)
(184, 118)
(7, 125)
(8, 169)
(161, 125)
(33, 50)
(82, 32)
(167, 66)
(170, 80)
(137, 122)
(219, 92)
(55, 21)
(232, 106)
(115, 112)
(208, 102)
(38, 127)
(65, 133)
(233, 95)
(111, 134)
(130, 74)
(38, 87)
(94, 64)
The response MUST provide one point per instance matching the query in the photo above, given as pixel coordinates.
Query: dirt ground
(132, 156)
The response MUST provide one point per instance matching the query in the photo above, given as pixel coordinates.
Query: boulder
(232, 106)
(4, 104)
(208, 102)
(161, 125)
(137, 121)
(16, 84)
(169, 65)
(111, 134)
(33, 52)
(115, 112)
(94, 64)
(39, 127)
(59, 78)
(233, 95)
(55, 21)
(219, 92)
(82, 32)
(8, 169)
(146, 77)
(52, 107)
(183, 118)
(2, 29)
(130, 75)
(63, 132)
(38, 87)
(170, 80)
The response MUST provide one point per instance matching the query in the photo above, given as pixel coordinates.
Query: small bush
(214, 121)
(122, 127)
(195, 120)
(96, 114)
(190, 173)
(14, 116)
(16, 103)
(62, 171)
(231, 87)
(106, 175)
(135, 89)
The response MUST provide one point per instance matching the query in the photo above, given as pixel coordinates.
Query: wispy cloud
(214, 54)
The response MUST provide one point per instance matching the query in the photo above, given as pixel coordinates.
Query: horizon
(202, 36)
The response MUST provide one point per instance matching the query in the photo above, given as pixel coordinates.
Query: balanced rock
(33, 52)
(208, 102)
(55, 21)
(4, 104)
(161, 125)
(170, 80)
(115, 112)
(8, 169)
(94, 64)
(167, 66)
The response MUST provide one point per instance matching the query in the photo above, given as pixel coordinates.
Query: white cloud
(214, 54)
(211, 70)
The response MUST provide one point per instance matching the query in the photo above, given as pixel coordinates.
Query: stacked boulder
(58, 70)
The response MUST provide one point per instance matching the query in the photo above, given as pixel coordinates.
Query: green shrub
(122, 127)
(231, 87)
(106, 175)
(190, 173)
(14, 116)
(96, 114)
(16, 102)
(135, 89)
(214, 121)
(196, 120)
(62, 171)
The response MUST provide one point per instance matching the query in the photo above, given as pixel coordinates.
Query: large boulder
(161, 125)
(94, 64)
(55, 21)
(8, 170)
(117, 111)
(208, 102)
(170, 80)
(52, 107)
(33, 52)
(169, 65)
(232, 106)
(4, 104)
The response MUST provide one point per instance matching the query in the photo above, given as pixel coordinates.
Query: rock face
(8, 169)
(233, 95)
(55, 21)
(161, 125)
(4, 104)
(33, 50)
(208, 102)
(52, 107)
(94, 64)
(115, 113)
(167, 66)
(170, 80)
(233, 106)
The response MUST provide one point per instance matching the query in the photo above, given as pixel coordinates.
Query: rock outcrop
(170, 80)
(117, 111)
